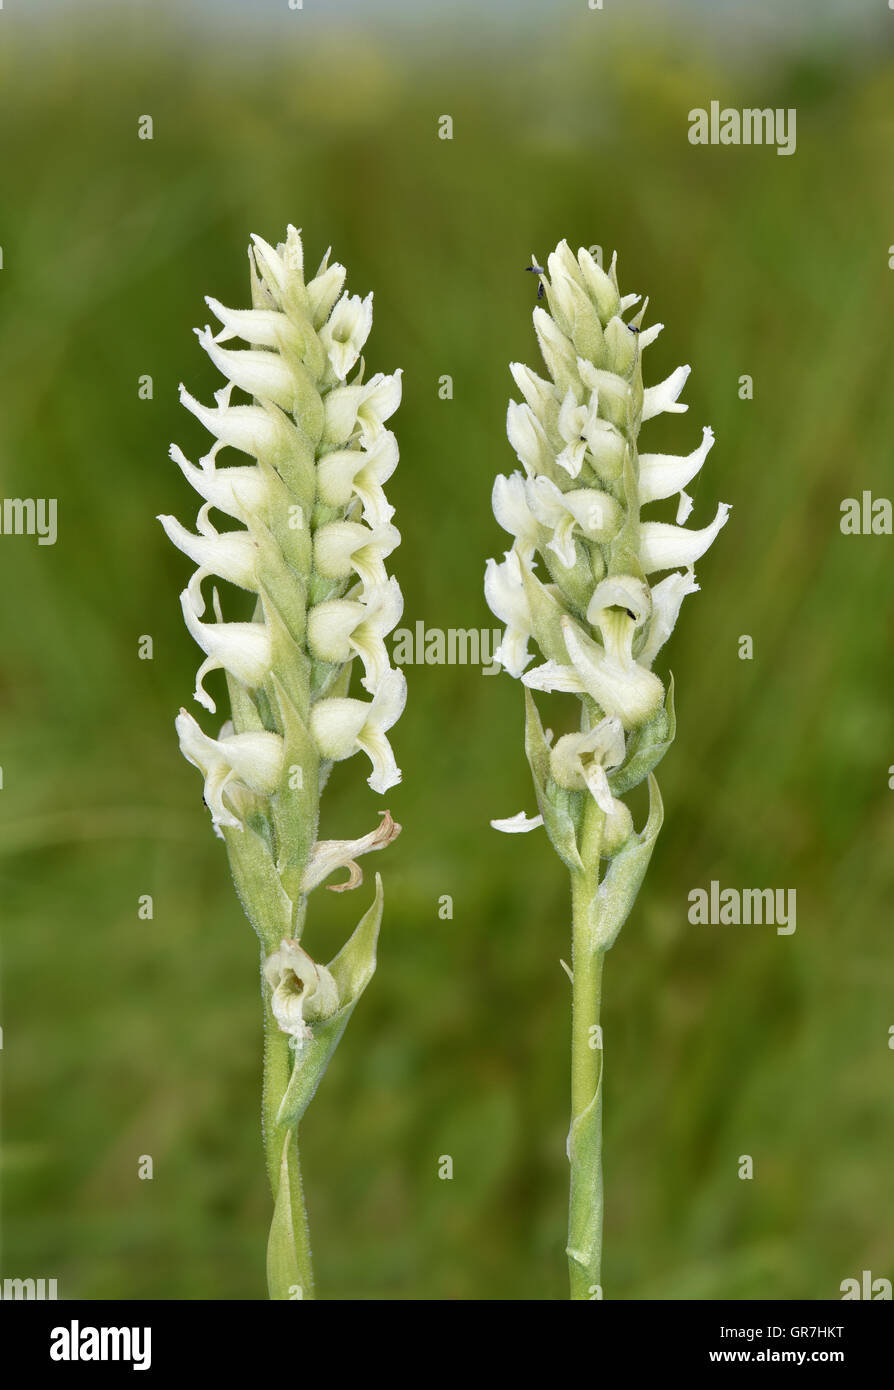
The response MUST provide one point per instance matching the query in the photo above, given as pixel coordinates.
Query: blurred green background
(125, 1037)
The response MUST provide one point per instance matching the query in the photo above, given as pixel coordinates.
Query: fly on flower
(537, 270)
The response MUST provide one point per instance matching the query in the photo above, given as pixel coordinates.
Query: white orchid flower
(301, 990)
(258, 430)
(345, 332)
(343, 547)
(528, 438)
(230, 555)
(231, 765)
(663, 397)
(338, 629)
(505, 592)
(363, 410)
(360, 472)
(341, 726)
(661, 475)
(593, 514)
(664, 547)
(242, 649)
(241, 491)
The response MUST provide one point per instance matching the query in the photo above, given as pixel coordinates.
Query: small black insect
(537, 270)
(633, 328)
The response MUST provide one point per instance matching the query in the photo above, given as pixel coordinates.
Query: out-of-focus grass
(126, 1037)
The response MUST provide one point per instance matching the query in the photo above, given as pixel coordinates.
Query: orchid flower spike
(311, 539)
(578, 579)
(597, 588)
(299, 525)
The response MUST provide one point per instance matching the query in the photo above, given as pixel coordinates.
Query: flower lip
(664, 547)
(342, 725)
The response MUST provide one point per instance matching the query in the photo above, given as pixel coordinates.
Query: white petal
(663, 397)
(505, 593)
(527, 437)
(573, 753)
(620, 591)
(571, 459)
(571, 417)
(383, 393)
(256, 758)
(339, 628)
(253, 429)
(597, 782)
(661, 475)
(538, 393)
(270, 265)
(366, 407)
(323, 290)
(231, 555)
(552, 676)
(261, 327)
(300, 990)
(667, 598)
(517, 825)
(609, 385)
(562, 543)
(260, 373)
(596, 513)
(621, 688)
(386, 773)
(510, 506)
(243, 649)
(390, 699)
(648, 335)
(335, 724)
(600, 285)
(240, 492)
(346, 473)
(664, 547)
(343, 546)
(250, 760)
(345, 332)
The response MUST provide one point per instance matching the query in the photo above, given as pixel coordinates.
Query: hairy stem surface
(584, 1247)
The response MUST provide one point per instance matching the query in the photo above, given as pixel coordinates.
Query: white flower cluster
(596, 616)
(312, 533)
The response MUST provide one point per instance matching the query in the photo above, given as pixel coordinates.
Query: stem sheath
(289, 1266)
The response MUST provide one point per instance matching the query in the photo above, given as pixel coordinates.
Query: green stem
(584, 1247)
(289, 1266)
